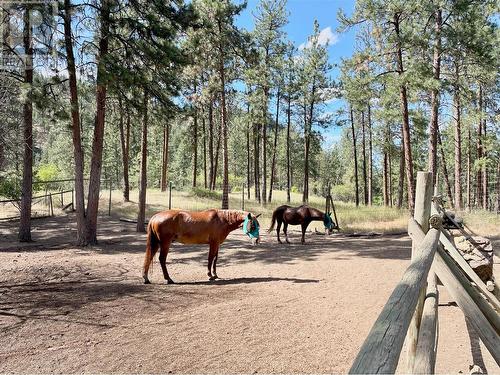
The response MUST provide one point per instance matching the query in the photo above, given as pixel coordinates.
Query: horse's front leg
(278, 231)
(214, 267)
(304, 227)
(214, 247)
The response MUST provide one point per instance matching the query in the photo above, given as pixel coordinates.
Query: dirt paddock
(278, 308)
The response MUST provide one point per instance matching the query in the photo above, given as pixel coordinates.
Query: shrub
(10, 187)
(205, 193)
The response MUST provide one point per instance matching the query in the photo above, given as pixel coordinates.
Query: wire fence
(51, 198)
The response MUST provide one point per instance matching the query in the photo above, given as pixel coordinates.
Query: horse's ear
(249, 215)
(257, 216)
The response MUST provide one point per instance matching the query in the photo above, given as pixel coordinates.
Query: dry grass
(351, 219)
(482, 222)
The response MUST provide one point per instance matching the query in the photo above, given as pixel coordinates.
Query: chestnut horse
(303, 216)
(194, 227)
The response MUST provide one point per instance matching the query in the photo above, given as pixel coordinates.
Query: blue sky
(302, 14)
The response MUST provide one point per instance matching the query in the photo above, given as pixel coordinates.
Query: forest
(144, 93)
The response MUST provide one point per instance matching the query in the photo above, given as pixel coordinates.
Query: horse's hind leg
(165, 245)
(211, 256)
(151, 249)
(278, 230)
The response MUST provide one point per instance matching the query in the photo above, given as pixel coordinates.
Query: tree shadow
(247, 280)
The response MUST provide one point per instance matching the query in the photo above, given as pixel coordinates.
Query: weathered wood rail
(411, 312)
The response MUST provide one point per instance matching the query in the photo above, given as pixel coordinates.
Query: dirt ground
(277, 308)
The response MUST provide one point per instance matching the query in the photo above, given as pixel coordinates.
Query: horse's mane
(232, 216)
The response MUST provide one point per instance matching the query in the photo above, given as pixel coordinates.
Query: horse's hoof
(216, 277)
(170, 281)
(212, 278)
(146, 280)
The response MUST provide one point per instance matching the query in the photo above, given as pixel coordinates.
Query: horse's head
(328, 222)
(251, 228)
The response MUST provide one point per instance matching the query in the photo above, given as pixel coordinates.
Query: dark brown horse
(195, 227)
(302, 216)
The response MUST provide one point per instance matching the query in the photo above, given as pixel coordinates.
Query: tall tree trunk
(391, 189)
(363, 149)
(216, 156)
(211, 141)
(264, 146)
(248, 152)
(225, 175)
(273, 163)
(256, 169)
(141, 215)
(288, 164)
(458, 142)
(445, 170)
(26, 192)
(305, 195)
(75, 129)
(401, 179)
(5, 48)
(485, 166)
(479, 179)
(370, 157)
(406, 121)
(498, 185)
(433, 124)
(307, 140)
(469, 169)
(205, 182)
(164, 164)
(97, 145)
(125, 142)
(195, 144)
(385, 190)
(356, 182)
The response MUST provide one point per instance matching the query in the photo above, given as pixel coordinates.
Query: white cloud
(326, 38)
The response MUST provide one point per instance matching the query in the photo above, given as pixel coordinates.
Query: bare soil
(277, 309)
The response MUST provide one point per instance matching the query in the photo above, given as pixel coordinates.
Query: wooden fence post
(423, 198)
(380, 352)
(50, 205)
(461, 291)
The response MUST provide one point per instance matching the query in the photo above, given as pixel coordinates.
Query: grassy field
(362, 219)
(351, 219)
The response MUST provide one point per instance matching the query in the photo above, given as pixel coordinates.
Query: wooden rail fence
(411, 312)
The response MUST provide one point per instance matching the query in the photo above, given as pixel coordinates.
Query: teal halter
(328, 222)
(253, 233)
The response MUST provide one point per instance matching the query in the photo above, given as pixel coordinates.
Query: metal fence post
(170, 195)
(243, 197)
(109, 202)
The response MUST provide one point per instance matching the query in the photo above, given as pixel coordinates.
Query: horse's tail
(152, 245)
(273, 220)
